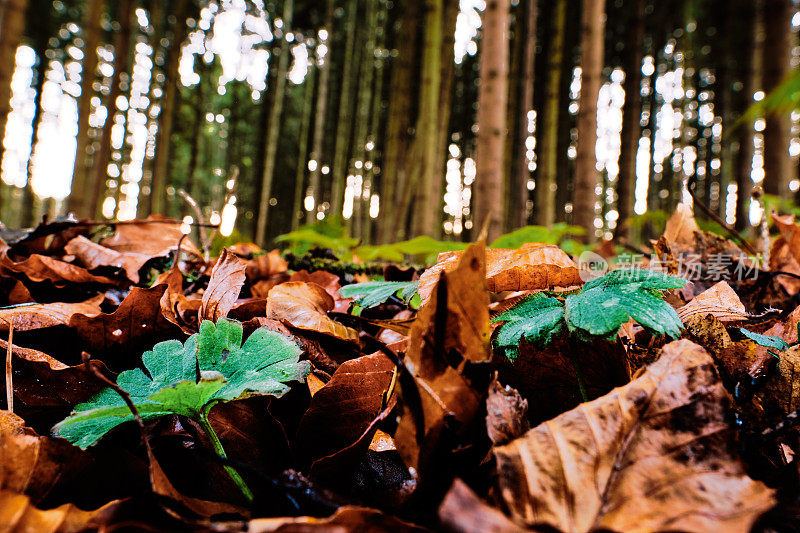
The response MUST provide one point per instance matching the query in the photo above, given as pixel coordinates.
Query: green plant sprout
(372, 293)
(189, 379)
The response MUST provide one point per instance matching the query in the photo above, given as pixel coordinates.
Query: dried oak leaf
(305, 306)
(94, 255)
(719, 300)
(448, 356)
(347, 518)
(654, 455)
(45, 268)
(342, 410)
(18, 514)
(227, 278)
(533, 266)
(41, 381)
(462, 511)
(156, 236)
(37, 316)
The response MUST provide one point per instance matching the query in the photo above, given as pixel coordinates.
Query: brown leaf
(656, 454)
(720, 301)
(158, 238)
(506, 414)
(175, 307)
(227, 278)
(790, 231)
(782, 259)
(462, 511)
(348, 518)
(344, 408)
(305, 306)
(533, 266)
(94, 255)
(18, 514)
(45, 268)
(681, 225)
(328, 281)
(265, 266)
(37, 316)
(448, 346)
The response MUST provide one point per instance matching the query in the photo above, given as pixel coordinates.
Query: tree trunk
(302, 152)
(28, 204)
(427, 218)
(518, 212)
(169, 102)
(631, 117)
(544, 205)
(777, 48)
(493, 92)
(92, 15)
(586, 176)
(122, 42)
(344, 124)
(11, 28)
(271, 148)
(314, 189)
(744, 133)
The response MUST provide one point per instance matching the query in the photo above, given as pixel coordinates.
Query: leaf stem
(576, 365)
(217, 445)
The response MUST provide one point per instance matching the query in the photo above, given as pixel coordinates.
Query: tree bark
(271, 148)
(492, 95)
(544, 205)
(777, 49)
(631, 117)
(744, 133)
(586, 176)
(122, 42)
(321, 109)
(28, 195)
(302, 152)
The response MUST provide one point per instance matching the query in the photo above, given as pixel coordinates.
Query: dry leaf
(226, 282)
(656, 454)
(720, 301)
(37, 316)
(506, 414)
(94, 255)
(462, 511)
(18, 515)
(681, 226)
(305, 306)
(265, 266)
(156, 236)
(533, 266)
(790, 232)
(348, 518)
(44, 268)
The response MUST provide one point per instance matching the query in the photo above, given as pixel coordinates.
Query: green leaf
(766, 341)
(605, 303)
(229, 370)
(374, 293)
(537, 318)
(553, 235)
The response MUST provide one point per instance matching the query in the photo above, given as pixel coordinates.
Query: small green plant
(602, 306)
(768, 341)
(189, 379)
(372, 293)
(555, 235)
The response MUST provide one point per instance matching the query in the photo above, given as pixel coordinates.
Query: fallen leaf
(175, 307)
(265, 266)
(462, 511)
(18, 514)
(38, 316)
(227, 278)
(781, 259)
(305, 306)
(45, 268)
(506, 414)
(533, 266)
(156, 236)
(656, 454)
(720, 301)
(681, 225)
(348, 518)
(328, 281)
(94, 255)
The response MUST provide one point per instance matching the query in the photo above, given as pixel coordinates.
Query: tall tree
(777, 16)
(586, 176)
(746, 51)
(631, 117)
(302, 151)
(427, 212)
(122, 45)
(493, 91)
(320, 114)
(92, 14)
(544, 204)
(271, 148)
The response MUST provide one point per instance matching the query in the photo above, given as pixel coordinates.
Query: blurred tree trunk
(398, 137)
(631, 117)
(746, 52)
(345, 121)
(302, 152)
(586, 176)
(28, 204)
(12, 23)
(93, 13)
(493, 92)
(518, 190)
(427, 218)
(320, 112)
(777, 49)
(271, 148)
(157, 16)
(122, 46)
(168, 111)
(544, 205)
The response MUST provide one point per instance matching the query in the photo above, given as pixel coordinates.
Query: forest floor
(149, 387)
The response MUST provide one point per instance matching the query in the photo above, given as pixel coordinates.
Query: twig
(9, 374)
(690, 186)
(199, 214)
(141, 223)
